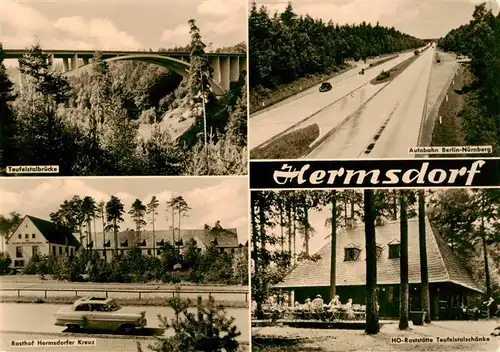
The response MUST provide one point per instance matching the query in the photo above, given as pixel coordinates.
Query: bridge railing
(140, 293)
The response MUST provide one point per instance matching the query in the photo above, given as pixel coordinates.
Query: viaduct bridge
(227, 66)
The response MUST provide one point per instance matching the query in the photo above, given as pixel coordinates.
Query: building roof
(222, 238)
(52, 233)
(443, 265)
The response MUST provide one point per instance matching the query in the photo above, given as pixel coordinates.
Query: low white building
(38, 236)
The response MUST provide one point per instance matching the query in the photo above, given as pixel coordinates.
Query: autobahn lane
(267, 124)
(386, 125)
(19, 318)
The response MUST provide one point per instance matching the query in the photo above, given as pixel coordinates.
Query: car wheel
(127, 329)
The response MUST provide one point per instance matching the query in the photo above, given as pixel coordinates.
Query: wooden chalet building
(450, 284)
(36, 236)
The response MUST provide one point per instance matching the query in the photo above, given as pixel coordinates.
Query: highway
(356, 119)
(36, 321)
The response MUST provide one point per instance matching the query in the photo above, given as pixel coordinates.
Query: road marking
(381, 129)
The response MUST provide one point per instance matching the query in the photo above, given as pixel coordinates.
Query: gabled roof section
(54, 234)
(225, 238)
(442, 263)
(353, 245)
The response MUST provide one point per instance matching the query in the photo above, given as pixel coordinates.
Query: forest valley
(286, 47)
(128, 118)
(480, 41)
(468, 219)
(173, 265)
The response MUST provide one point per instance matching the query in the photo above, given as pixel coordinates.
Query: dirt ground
(271, 339)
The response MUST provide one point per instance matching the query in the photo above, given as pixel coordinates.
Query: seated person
(307, 305)
(334, 303)
(349, 311)
(317, 303)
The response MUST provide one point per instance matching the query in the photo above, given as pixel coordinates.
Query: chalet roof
(222, 237)
(443, 265)
(52, 233)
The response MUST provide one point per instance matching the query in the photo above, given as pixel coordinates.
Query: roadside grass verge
(450, 132)
(153, 302)
(288, 146)
(278, 344)
(262, 98)
(380, 62)
(389, 75)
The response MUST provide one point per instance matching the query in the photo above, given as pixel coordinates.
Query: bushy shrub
(207, 330)
(5, 262)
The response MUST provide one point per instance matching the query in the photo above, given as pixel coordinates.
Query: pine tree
(7, 117)
(237, 125)
(200, 72)
(207, 330)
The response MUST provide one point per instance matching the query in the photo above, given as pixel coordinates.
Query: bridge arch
(178, 66)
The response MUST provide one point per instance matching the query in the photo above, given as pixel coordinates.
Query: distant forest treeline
(285, 46)
(479, 40)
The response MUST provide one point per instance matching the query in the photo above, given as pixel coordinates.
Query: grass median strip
(291, 145)
(380, 62)
(154, 302)
(389, 75)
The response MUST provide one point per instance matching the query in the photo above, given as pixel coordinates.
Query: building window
(53, 250)
(19, 263)
(71, 251)
(394, 251)
(351, 254)
(66, 250)
(158, 251)
(149, 251)
(35, 250)
(27, 236)
(19, 236)
(19, 252)
(32, 235)
(60, 250)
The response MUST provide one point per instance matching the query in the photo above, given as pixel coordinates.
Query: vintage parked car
(325, 87)
(102, 314)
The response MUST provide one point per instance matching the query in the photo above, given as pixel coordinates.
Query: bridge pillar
(243, 63)
(50, 59)
(225, 77)
(74, 62)
(85, 60)
(234, 68)
(216, 65)
(66, 64)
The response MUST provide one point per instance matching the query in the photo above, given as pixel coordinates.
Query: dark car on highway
(325, 87)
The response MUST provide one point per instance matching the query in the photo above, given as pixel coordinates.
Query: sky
(210, 198)
(420, 18)
(119, 24)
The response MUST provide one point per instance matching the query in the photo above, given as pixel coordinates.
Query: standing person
(490, 307)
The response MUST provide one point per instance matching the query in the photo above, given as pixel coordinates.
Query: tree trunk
(403, 264)
(306, 229)
(289, 215)
(103, 236)
(89, 227)
(263, 241)
(372, 319)
(154, 239)
(333, 250)
(345, 210)
(485, 250)
(294, 235)
(424, 274)
(115, 234)
(282, 238)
